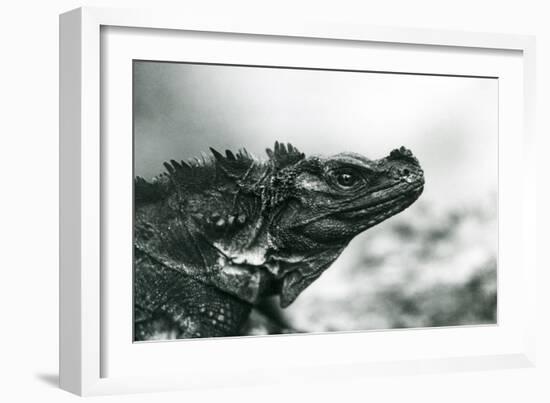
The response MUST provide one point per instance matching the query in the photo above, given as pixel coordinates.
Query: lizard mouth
(398, 199)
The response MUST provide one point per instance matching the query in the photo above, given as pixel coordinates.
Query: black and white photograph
(271, 200)
(290, 201)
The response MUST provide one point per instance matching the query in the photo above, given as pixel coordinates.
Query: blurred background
(435, 264)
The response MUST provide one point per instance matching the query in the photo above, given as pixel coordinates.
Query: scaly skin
(215, 238)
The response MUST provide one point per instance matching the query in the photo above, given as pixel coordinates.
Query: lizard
(216, 236)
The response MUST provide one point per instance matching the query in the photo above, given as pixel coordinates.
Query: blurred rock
(420, 269)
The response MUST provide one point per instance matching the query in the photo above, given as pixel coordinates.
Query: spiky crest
(282, 156)
(234, 166)
(198, 172)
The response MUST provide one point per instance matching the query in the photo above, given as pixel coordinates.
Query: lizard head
(330, 200)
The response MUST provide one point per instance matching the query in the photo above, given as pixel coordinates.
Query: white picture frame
(91, 358)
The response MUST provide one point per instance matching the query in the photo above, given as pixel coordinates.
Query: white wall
(28, 286)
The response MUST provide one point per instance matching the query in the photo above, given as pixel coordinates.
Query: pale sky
(450, 123)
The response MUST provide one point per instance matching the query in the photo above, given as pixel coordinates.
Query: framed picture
(247, 202)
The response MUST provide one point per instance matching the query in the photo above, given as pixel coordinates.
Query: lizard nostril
(406, 172)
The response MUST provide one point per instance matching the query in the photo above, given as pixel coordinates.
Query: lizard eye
(347, 178)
